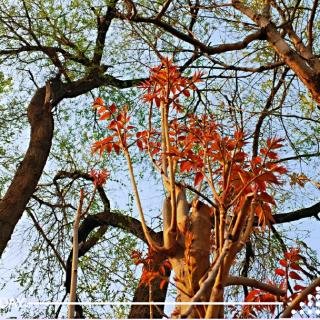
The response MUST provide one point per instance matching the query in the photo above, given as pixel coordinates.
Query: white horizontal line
(169, 318)
(158, 303)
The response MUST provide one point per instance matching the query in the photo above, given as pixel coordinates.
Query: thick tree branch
(243, 281)
(306, 68)
(299, 156)
(311, 25)
(206, 286)
(312, 211)
(46, 49)
(103, 25)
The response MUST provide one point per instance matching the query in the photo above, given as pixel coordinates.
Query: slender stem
(222, 226)
(241, 217)
(150, 300)
(210, 181)
(163, 144)
(75, 251)
(150, 241)
(216, 230)
(248, 229)
(165, 128)
(90, 202)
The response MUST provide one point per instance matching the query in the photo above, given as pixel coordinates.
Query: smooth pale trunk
(190, 260)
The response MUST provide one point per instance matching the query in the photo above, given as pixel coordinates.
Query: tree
(68, 46)
(238, 188)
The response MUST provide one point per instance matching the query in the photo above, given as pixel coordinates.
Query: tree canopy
(247, 86)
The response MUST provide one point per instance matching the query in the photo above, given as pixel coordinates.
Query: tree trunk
(142, 295)
(28, 174)
(191, 259)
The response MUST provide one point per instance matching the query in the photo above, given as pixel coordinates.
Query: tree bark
(191, 259)
(299, 58)
(28, 174)
(142, 295)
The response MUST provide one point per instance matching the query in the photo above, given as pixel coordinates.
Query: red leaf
(185, 166)
(294, 266)
(198, 178)
(297, 287)
(140, 144)
(294, 275)
(186, 93)
(105, 116)
(274, 143)
(263, 151)
(104, 141)
(238, 135)
(257, 160)
(98, 102)
(267, 198)
(283, 262)
(280, 272)
(269, 142)
(273, 155)
(116, 148)
(154, 151)
(280, 170)
(112, 125)
(109, 147)
(268, 177)
(267, 212)
(119, 117)
(240, 156)
(293, 255)
(113, 108)
(181, 138)
(163, 283)
(101, 109)
(268, 297)
(252, 295)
